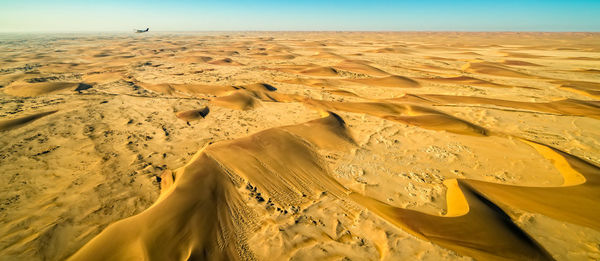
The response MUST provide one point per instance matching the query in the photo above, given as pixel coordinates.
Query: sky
(309, 15)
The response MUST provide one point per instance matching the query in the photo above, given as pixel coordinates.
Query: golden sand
(300, 146)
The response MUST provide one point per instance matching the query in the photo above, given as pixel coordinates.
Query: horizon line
(299, 31)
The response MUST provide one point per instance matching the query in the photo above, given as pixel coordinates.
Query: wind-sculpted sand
(300, 146)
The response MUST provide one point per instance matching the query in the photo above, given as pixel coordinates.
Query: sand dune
(195, 59)
(285, 146)
(102, 77)
(310, 70)
(589, 70)
(582, 58)
(164, 88)
(314, 82)
(472, 225)
(518, 63)
(469, 53)
(492, 69)
(390, 81)
(187, 89)
(193, 115)
(342, 92)
(591, 89)
(406, 113)
(562, 107)
(18, 122)
(38, 88)
(573, 202)
(399, 50)
(482, 233)
(226, 61)
(437, 58)
(237, 100)
(360, 67)
(467, 80)
(521, 55)
(271, 56)
(320, 71)
(328, 55)
(214, 223)
(257, 87)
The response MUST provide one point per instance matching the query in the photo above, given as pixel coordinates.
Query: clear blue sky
(465, 15)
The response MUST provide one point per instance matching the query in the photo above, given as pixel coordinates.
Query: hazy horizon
(241, 15)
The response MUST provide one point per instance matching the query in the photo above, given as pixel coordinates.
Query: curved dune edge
(479, 226)
(571, 177)
(484, 233)
(6, 125)
(590, 89)
(576, 201)
(456, 202)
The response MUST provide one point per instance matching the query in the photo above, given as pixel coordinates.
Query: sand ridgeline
(300, 146)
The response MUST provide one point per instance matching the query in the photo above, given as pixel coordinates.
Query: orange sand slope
(300, 146)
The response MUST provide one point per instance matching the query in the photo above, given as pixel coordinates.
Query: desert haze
(300, 146)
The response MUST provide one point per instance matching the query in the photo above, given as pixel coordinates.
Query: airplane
(142, 31)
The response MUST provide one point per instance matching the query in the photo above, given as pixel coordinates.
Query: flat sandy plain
(300, 146)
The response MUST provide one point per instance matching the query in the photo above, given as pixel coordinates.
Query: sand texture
(300, 146)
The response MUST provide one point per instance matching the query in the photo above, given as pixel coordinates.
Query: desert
(300, 146)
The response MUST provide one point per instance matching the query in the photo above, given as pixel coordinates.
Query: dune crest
(200, 215)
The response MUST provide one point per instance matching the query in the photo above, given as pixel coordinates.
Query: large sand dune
(300, 146)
